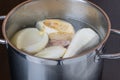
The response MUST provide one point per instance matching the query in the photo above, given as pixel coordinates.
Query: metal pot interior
(79, 13)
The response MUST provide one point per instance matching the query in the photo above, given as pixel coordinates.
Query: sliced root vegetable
(16, 39)
(85, 38)
(30, 40)
(53, 52)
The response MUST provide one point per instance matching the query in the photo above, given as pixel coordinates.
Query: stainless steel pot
(81, 13)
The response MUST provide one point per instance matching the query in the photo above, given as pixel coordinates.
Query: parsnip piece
(85, 38)
(30, 40)
(53, 52)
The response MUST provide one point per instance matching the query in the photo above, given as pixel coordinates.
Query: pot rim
(70, 58)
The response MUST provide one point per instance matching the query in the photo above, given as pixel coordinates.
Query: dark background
(111, 68)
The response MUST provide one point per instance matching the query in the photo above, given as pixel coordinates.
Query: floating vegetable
(30, 40)
(53, 52)
(84, 38)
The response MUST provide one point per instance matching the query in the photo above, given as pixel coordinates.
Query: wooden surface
(111, 68)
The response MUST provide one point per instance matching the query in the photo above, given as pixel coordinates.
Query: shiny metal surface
(116, 31)
(2, 41)
(79, 13)
(81, 68)
(111, 56)
(2, 17)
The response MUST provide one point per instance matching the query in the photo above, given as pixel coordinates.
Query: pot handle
(110, 56)
(2, 41)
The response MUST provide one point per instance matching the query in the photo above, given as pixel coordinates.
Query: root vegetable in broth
(54, 38)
